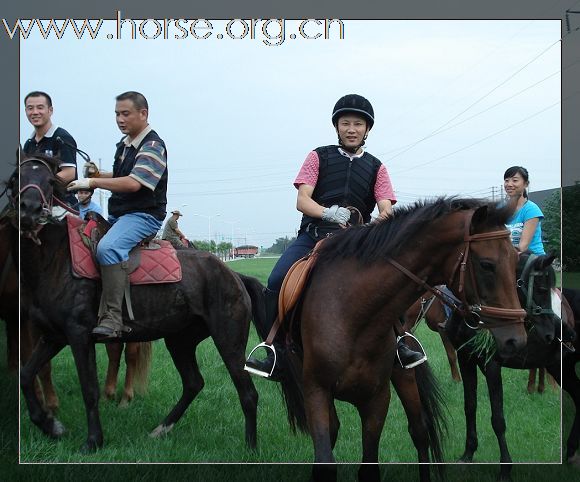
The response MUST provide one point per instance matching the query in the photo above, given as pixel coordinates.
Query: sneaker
(409, 358)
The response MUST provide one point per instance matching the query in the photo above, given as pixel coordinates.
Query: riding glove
(90, 169)
(336, 214)
(81, 184)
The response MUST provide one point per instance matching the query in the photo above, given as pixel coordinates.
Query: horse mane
(382, 239)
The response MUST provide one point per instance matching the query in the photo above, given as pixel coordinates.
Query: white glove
(336, 214)
(79, 184)
(90, 169)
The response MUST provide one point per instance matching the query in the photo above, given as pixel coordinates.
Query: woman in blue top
(525, 225)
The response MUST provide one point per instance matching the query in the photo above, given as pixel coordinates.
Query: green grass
(212, 429)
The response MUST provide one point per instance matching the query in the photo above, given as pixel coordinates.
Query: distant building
(246, 251)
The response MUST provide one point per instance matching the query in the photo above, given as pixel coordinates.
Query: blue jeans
(298, 249)
(127, 231)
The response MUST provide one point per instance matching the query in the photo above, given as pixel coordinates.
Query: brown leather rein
(477, 310)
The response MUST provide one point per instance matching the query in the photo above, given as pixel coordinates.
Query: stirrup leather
(409, 335)
(255, 371)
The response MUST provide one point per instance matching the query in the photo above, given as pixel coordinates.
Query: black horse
(536, 279)
(570, 380)
(210, 300)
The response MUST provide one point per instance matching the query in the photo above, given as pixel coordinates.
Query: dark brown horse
(210, 300)
(343, 342)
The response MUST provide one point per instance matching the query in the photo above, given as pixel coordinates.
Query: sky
(456, 103)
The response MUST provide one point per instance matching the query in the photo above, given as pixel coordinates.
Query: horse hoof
(124, 403)
(574, 460)
(58, 429)
(161, 431)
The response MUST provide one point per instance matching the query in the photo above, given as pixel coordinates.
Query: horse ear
(547, 260)
(479, 217)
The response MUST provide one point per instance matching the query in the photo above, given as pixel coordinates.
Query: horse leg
(451, 356)
(406, 387)
(234, 359)
(12, 344)
(541, 380)
(317, 405)
(334, 425)
(131, 355)
(571, 383)
(532, 380)
(51, 402)
(83, 350)
(114, 351)
(182, 351)
(492, 374)
(27, 346)
(373, 414)
(468, 370)
(44, 352)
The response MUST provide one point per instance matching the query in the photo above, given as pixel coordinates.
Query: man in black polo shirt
(49, 139)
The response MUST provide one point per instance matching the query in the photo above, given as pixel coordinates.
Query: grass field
(212, 428)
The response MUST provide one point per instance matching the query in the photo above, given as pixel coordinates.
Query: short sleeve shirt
(516, 223)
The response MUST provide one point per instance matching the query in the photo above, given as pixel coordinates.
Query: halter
(476, 310)
(529, 274)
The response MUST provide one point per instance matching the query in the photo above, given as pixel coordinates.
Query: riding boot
(264, 367)
(115, 279)
(407, 357)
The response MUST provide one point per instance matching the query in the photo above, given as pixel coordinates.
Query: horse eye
(487, 266)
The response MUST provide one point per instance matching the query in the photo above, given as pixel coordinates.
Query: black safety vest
(344, 182)
(144, 200)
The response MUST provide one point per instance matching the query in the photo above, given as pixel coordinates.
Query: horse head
(536, 280)
(35, 193)
(486, 283)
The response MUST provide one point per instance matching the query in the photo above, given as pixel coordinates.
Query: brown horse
(342, 342)
(429, 308)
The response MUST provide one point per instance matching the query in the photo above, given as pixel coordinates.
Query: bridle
(46, 205)
(46, 201)
(529, 274)
(467, 310)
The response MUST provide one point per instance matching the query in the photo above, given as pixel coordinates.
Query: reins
(515, 315)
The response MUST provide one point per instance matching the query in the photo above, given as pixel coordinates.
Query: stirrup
(255, 371)
(418, 362)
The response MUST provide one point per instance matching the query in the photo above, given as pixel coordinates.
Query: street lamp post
(231, 223)
(208, 227)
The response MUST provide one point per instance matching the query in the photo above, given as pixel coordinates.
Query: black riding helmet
(355, 104)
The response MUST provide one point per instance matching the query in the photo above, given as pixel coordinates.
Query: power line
(474, 103)
(487, 137)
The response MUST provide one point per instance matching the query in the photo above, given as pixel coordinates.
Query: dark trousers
(298, 249)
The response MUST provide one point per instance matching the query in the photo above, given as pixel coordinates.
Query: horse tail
(290, 364)
(143, 366)
(256, 291)
(433, 403)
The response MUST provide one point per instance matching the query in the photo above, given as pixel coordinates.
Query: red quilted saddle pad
(156, 266)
